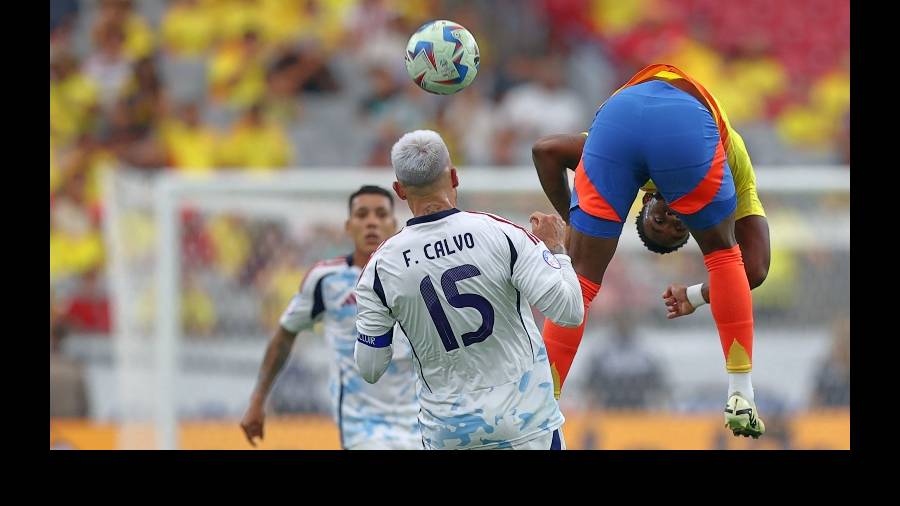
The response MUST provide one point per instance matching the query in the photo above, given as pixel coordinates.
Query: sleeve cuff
(381, 341)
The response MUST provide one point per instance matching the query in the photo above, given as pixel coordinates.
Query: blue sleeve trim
(377, 341)
(318, 301)
(379, 289)
(513, 254)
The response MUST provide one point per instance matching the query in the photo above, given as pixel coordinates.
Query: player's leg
(412, 442)
(590, 257)
(688, 164)
(732, 308)
(374, 431)
(551, 440)
(385, 444)
(371, 444)
(558, 442)
(606, 182)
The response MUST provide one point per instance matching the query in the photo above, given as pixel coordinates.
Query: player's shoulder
(490, 219)
(323, 268)
(507, 226)
(331, 264)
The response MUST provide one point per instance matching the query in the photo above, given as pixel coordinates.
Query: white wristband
(695, 295)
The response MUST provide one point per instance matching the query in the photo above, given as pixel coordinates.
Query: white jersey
(384, 414)
(460, 284)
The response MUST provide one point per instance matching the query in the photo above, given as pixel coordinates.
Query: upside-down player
(665, 126)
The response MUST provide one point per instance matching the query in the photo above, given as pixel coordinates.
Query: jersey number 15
(457, 300)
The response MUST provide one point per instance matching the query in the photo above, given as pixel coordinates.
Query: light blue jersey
(460, 285)
(368, 416)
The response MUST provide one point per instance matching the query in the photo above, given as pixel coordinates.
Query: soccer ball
(442, 57)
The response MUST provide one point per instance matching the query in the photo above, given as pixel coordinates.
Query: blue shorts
(656, 131)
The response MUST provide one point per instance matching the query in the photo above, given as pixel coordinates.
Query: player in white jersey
(382, 416)
(460, 285)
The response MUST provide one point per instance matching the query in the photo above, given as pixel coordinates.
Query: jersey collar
(431, 217)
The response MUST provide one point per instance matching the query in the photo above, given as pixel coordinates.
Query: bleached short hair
(419, 157)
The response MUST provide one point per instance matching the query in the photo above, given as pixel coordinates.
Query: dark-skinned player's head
(659, 227)
(371, 219)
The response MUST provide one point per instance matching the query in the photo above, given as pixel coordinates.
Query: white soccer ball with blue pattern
(442, 57)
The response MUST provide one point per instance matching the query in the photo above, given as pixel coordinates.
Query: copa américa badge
(551, 260)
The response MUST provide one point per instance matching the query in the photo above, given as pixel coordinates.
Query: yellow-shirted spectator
(614, 17)
(698, 60)
(234, 18)
(330, 24)
(806, 126)
(198, 312)
(831, 95)
(76, 246)
(788, 229)
(231, 244)
(291, 20)
(254, 143)
(237, 72)
(278, 286)
(416, 12)
(190, 145)
(741, 88)
(747, 85)
(140, 40)
(188, 29)
(285, 20)
(101, 160)
(766, 75)
(72, 97)
(743, 104)
(74, 254)
(83, 164)
(55, 176)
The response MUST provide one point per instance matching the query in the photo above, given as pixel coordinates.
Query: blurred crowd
(241, 85)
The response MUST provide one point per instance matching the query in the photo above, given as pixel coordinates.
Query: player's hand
(551, 229)
(253, 421)
(677, 302)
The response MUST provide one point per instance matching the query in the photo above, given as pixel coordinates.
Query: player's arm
(552, 155)
(375, 325)
(543, 272)
(751, 229)
(277, 353)
(752, 234)
(304, 309)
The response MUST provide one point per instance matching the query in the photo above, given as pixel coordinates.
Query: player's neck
(360, 258)
(430, 205)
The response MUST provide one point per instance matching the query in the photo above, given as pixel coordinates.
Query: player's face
(661, 224)
(371, 221)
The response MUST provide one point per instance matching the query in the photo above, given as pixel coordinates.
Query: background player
(381, 416)
(663, 125)
(460, 285)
